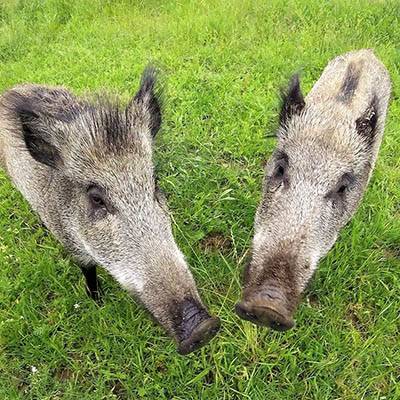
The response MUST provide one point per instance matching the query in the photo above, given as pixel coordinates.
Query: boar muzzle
(194, 327)
(266, 308)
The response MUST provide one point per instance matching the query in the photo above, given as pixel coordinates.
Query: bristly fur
(292, 100)
(102, 117)
(350, 83)
(109, 123)
(100, 197)
(331, 146)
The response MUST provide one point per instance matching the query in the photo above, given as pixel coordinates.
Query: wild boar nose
(268, 313)
(196, 329)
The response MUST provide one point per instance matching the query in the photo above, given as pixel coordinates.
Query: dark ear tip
(292, 99)
(150, 83)
(150, 97)
(149, 75)
(294, 85)
(295, 79)
(292, 90)
(20, 105)
(33, 129)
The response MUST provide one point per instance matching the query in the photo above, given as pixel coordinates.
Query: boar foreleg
(92, 283)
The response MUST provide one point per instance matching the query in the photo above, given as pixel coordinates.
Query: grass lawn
(223, 63)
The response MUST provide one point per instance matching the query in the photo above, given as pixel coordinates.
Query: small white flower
(76, 305)
(34, 369)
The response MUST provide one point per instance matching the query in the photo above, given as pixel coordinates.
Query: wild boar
(314, 181)
(85, 166)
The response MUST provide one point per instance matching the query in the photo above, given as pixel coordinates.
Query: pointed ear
(147, 102)
(366, 124)
(292, 100)
(36, 131)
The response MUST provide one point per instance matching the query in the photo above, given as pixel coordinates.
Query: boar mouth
(194, 326)
(200, 336)
(261, 315)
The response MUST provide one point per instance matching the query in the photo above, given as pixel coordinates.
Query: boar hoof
(200, 336)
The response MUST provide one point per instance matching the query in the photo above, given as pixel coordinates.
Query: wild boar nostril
(193, 326)
(200, 336)
(277, 326)
(244, 313)
(190, 316)
(265, 315)
(276, 320)
(250, 315)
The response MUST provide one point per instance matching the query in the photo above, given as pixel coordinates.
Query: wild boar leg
(92, 283)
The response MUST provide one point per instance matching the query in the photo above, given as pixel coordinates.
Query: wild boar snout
(270, 315)
(194, 327)
(271, 288)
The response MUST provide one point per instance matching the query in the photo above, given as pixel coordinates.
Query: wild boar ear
(36, 132)
(292, 100)
(366, 124)
(147, 102)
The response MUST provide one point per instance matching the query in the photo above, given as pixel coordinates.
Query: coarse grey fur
(314, 181)
(86, 168)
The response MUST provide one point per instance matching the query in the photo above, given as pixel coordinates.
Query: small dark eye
(97, 201)
(345, 182)
(339, 193)
(281, 164)
(95, 197)
(280, 171)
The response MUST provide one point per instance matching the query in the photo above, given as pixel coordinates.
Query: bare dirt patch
(214, 242)
(352, 314)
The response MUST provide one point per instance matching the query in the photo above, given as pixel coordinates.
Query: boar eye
(96, 198)
(280, 166)
(344, 183)
(342, 186)
(279, 171)
(342, 189)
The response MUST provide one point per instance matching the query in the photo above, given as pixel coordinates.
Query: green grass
(223, 62)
